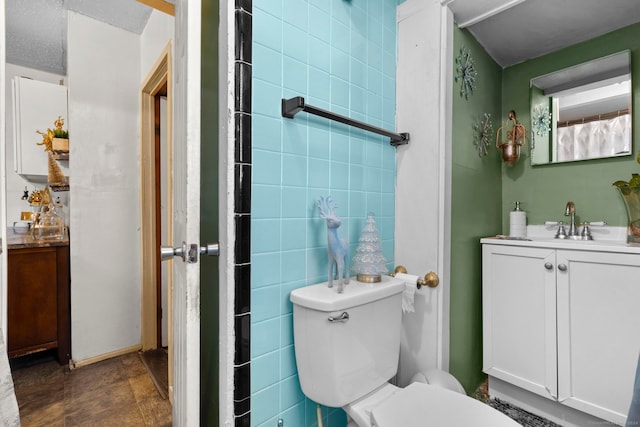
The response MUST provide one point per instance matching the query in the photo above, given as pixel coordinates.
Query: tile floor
(114, 392)
(524, 418)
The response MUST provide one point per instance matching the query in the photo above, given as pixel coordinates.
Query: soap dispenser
(518, 222)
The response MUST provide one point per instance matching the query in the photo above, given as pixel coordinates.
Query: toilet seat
(360, 410)
(420, 405)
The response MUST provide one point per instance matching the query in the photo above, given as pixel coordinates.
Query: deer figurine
(337, 248)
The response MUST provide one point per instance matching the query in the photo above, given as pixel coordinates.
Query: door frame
(423, 218)
(159, 76)
(3, 180)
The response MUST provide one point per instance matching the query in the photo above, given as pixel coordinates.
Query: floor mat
(156, 362)
(523, 417)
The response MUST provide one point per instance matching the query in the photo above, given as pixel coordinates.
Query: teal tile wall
(339, 55)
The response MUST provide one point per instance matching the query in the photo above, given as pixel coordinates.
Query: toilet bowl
(347, 347)
(439, 378)
(423, 405)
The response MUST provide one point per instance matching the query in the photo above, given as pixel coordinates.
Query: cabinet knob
(548, 265)
(562, 267)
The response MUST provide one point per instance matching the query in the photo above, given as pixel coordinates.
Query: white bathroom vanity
(561, 326)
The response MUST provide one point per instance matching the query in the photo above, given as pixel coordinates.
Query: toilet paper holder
(431, 279)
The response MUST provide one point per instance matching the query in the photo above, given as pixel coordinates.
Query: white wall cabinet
(36, 106)
(563, 324)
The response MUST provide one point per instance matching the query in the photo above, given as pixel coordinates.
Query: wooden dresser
(38, 297)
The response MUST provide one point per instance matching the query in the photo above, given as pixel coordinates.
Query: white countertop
(605, 239)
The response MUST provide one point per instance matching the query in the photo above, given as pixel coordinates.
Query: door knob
(548, 265)
(211, 249)
(168, 252)
(562, 267)
(189, 253)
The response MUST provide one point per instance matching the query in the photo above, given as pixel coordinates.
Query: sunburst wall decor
(541, 120)
(466, 72)
(483, 134)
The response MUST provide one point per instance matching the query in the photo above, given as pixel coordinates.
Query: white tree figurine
(368, 262)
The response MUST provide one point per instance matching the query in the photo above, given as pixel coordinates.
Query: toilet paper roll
(408, 295)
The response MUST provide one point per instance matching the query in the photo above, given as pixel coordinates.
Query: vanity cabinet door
(519, 317)
(38, 301)
(598, 331)
(33, 300)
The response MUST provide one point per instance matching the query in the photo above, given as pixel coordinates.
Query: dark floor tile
(156, 412)
(132, 364)
(143, 388)
(42, 412)
(156, 363)
(94, 402)
(125, 415)
(45, 373)
(44, 384)
(115, 392)
(93, 377)
(46, 398)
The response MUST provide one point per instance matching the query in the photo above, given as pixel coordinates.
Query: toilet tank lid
(323, 298)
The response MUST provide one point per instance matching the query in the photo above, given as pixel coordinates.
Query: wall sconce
(515, 138)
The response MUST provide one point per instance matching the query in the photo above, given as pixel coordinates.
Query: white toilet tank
(347, 344)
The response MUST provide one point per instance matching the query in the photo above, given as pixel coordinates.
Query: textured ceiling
(514, 31)
(35, 36)
(126, 14)
(36, 30)
(511, 31)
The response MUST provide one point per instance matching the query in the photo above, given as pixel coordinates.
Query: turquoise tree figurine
(337, 248)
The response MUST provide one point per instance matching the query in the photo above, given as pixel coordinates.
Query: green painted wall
(476, 197)
(545, 190)
(483, 189)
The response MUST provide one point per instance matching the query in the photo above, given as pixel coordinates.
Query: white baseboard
(80, 363)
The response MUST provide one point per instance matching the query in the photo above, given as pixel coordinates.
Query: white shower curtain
(601, 138)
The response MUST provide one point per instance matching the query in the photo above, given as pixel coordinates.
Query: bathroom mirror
(582, 112)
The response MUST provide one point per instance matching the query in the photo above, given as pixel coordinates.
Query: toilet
(347, 347)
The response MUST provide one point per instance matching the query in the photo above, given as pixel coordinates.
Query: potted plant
(60, 141)
(630, 193)
(55, 142)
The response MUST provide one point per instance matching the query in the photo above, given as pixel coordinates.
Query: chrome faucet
(570, 210)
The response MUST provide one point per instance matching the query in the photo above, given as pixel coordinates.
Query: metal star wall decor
(483, 134)
(466, 72)
(541, 120)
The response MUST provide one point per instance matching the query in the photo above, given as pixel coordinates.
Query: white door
(3, 181)
(425, 43)
(186, 215)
